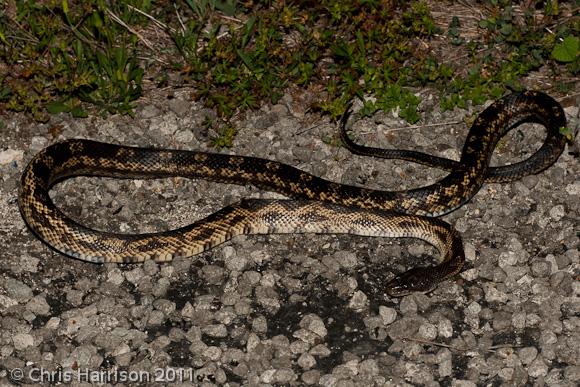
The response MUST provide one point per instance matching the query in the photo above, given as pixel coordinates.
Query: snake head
(417, 279)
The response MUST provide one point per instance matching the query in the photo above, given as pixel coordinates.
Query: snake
(314, 204)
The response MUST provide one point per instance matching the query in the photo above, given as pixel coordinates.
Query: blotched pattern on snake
(319, 206)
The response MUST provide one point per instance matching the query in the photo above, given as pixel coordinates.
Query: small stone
(463, 383)
(22, 341)
(266, 121)
(540, 269)
(346, 259)
(115, 276)
(519, 320)
(299, 347)
(166, 124)
(557, 212)
(134, 275)
(521, 189)
(346, 285)
(179, 106)
(368, 367)
(530, 181)
(527, 355)
(284, 375)
(167, 271)
(260, 324)
(215, 330)
(38, 306)
(268, 297)
(320, 350)
(156, 318)
(532, 319)
(538, 368)
(445, 328)
(470, 274)
(358, 301)
(6, 302)
(268, 280)
(75, 297)
(574, 188)
(445, 363)
(149, 111)
(506, 373)
(470, 252)
(388, 315)
(416, 249)
(243, 307)
(572, 373)
(311, 377)
(188, 310)
(561, 261)
(225, 316)
(37, 143)
(507, 258)
(10, 155)
(501, 320)
(121, 350)
(17, 290)
(451, 153)
(314, 324)
(268, 376)
(150, 267)
(29, 264)
(344, 371)
(252, 342)
(418, 374)
(492, 294)
(279, 109)
(328, 380)
(213, 274)
(72, 325)
(184, 136)
(375, 327)
(197, 346)
(213, 353)
(232, 260)
(428, 331)
(472, 314)
(52, 323)
(166, 306)
(307, 336)
(548, 338)
(408, 305)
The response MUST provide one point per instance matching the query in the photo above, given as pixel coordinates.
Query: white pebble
(557, 212)
(574, 188)
(358, 300)
(388, 315)
(9, 155)
(22, 341)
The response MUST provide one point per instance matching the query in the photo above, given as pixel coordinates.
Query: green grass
(92, 56)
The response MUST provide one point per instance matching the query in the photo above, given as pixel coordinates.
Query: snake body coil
(322, 206)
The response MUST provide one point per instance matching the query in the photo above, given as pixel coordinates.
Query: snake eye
(417, 279)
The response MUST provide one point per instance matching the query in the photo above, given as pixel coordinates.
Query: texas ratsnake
(321, 206)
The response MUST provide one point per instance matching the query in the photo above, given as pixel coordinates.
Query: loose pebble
(10, 155)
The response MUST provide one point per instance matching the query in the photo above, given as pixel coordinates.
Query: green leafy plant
(61, 58)
(567, 50)
(238, 55)
(225, 138)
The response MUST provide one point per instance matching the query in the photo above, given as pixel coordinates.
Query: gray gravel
(291, 309)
